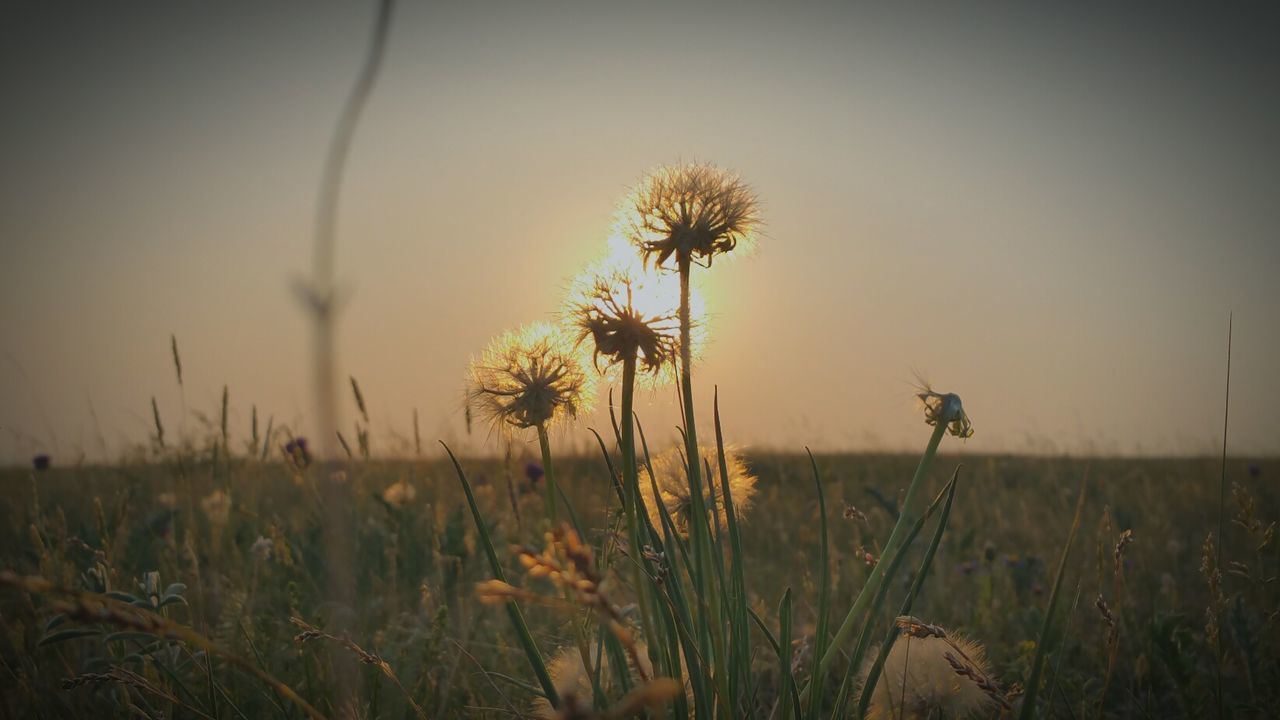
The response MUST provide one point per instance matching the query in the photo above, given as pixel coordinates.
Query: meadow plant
(688, 214)
(531, 378)
(672, 487)
(655, 617)
(944, 413)
(932, 672)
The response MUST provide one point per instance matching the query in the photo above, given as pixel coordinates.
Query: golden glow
(672, 480)
(652, 293)
(528, 377)
(689, 213)
(657, 291)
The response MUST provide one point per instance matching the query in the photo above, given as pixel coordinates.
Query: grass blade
(891, 570)
(513, 611)
(1037, 666)
(824, 592)
(736, 598)
(868, 685)
(891, 545)
(788, 699)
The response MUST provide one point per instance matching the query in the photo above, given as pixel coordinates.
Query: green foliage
(103, 530)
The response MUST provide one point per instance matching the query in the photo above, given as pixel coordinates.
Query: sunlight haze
(1055, 224)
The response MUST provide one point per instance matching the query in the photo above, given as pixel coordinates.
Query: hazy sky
(1049, 210)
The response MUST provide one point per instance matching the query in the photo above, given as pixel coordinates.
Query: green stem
(630, 474)
(698, 529)
(545, 443)
(869, 683)
(686, 383)
(631, 493)
(905, 520)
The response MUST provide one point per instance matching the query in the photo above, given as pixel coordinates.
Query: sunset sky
(1048, 210)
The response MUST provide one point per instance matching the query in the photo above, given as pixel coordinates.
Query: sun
(655, 292)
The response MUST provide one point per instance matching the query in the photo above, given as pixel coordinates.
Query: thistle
(530, 378)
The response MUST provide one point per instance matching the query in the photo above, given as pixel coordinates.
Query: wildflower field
(667, 576)
(233, 549)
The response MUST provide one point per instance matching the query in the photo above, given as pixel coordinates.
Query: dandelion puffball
(692, 211)
(529, 377)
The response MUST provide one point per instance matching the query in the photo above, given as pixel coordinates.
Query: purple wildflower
(534, 472)
(297, 451)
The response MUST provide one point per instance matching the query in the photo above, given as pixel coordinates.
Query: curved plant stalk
(320, 297)
(893, 563)
(93, 607)
(531, 652)
(896, 539)
(869, 684)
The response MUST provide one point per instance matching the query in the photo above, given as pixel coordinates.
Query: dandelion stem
(697, 511)
(905, 521)
(548, 474)
(630, 476)
(632, 501)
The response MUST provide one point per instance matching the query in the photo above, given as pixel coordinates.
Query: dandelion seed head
(571, 679)
(624, 311)
(528, 378)
(945, 408)
(691, 211)
(399, 494)
(262, 548)
(919, 681)
(672, 479)
(217, 507)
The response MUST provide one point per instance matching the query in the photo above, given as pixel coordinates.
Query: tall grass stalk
(320, 297)
(1046, 626)
(1222, 499)
(824, 592)
(788, 701)
(536, 662)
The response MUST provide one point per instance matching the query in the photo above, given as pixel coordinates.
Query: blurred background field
(243, 539)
